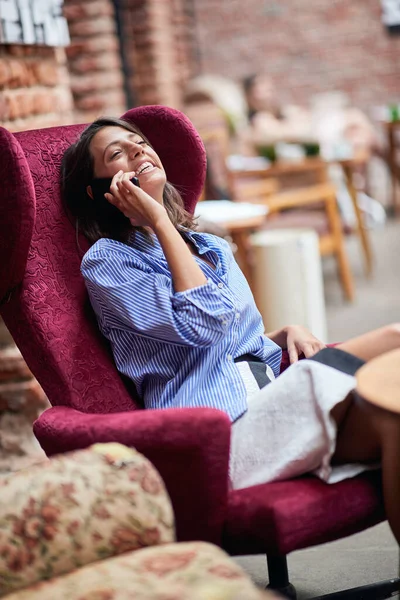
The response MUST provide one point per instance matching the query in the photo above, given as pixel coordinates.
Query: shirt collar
(197, 239)
(139, 237)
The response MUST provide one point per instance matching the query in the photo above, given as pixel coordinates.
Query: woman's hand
(141, 209)
(301, 341)
(144, 211)
(296, 340)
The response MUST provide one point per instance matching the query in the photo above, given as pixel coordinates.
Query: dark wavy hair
(101, 219)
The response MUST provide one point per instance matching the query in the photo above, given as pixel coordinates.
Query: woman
(183, 326)
(272, 122)
(269, 121)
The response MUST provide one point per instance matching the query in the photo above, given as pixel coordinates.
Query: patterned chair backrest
(48, 312)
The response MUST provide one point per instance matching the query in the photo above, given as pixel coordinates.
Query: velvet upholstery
(52, 323)
(16, 233)
(289, 515)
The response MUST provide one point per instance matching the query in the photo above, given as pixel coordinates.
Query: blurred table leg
(361, 230)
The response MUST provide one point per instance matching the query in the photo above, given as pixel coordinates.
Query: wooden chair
(321, 197)
(310, 171)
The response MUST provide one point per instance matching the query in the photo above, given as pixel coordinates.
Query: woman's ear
(89, 191)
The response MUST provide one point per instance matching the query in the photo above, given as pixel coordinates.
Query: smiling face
(114, 149)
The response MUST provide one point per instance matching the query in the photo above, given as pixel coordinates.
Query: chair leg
(335, 224)
(278, 576)
(361, 230)
(345, 274)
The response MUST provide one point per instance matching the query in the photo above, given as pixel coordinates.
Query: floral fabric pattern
(186, 571)
(76, 509)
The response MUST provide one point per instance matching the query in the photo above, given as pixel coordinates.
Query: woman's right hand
(139, 207)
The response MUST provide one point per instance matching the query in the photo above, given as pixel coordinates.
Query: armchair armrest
(188, 446)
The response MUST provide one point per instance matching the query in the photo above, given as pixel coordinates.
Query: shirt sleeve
(133, 297)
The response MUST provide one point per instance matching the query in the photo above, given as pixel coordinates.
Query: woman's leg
(366, 346)
(365, 433)
(389, 426)
(374, 343)
(368, 434)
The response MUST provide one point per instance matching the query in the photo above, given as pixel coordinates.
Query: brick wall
(158, 46)
(94, 59)
(21, 402)
(306, 47)
(34, 87)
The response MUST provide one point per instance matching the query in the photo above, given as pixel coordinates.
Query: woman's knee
(391, 329)
(391, 334)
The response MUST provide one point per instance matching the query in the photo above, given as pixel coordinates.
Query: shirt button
(220, 285)
(237, 316)
(229, 357)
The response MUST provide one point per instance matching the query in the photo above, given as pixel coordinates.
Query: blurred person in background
(270, 121)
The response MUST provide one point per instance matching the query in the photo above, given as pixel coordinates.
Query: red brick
(21, 51)
(64, 100)
(75, 11)
(92, 27)
(96, 62)
(12, 365)
(104, 44)
(22, 395)
(12, 106)
(45, 73)
(112, 102)
(44, 101)
(18, 74)
(24, 104)
(4, 109)
(5, 72)
(84, 84)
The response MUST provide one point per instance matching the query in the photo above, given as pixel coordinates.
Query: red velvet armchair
(45, 306)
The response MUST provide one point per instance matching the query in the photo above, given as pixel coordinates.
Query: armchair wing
(189, 447)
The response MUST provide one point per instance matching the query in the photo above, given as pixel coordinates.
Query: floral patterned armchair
(63, 520)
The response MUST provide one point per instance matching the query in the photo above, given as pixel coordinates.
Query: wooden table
(318, 167)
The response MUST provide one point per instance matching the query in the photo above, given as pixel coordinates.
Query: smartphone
(101, 186)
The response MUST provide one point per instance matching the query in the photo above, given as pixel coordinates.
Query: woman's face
(114, 149)
(262, 94)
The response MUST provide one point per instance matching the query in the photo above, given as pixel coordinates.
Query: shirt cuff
(206, 297)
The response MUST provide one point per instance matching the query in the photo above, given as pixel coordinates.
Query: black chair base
(279, 582)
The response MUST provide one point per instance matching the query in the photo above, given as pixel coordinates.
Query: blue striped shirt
(177, 347)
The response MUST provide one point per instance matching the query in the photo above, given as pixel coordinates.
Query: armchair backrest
(44, 300)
